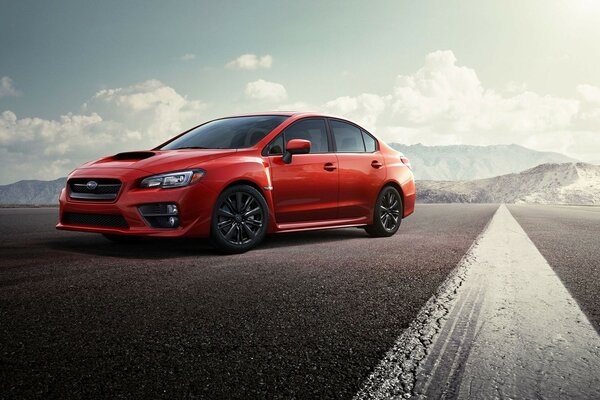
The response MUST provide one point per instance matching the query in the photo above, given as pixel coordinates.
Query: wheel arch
(396, 186)
(248, 182)
(266, 194)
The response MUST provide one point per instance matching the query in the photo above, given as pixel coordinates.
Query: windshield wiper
(191, 147)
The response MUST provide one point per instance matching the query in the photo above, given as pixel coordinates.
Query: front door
(306, 189)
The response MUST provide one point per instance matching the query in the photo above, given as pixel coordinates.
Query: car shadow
(145, 248)
(311, 237)
(164, 248)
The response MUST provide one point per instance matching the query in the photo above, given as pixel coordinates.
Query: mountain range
(460, 173)
(463, 162)
(32, 192)
(569, 183)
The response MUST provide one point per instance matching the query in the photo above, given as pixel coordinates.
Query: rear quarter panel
(400, 174)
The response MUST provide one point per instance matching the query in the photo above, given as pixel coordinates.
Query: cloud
(589, 93)
(188, 57)
(139, 116)
(250, 62)
(445, 97)
(589, 114)
(266, 91)
(7, 87)
(298, 106)
(445, 103)
(451, 96)
(363, 109)
(440, 103)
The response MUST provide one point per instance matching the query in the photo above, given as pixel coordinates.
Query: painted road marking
(510, 330)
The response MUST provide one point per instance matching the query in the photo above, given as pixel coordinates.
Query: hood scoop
(133, 155)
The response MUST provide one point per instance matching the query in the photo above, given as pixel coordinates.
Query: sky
(82, 79)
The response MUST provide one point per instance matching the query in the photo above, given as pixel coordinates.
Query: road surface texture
(569, 238)
(511, 331)
(306, 315)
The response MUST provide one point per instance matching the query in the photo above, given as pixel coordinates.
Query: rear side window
(309, 129)
(370, 144)
(348, 138)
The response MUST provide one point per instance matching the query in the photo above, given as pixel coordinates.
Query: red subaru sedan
(236, 179)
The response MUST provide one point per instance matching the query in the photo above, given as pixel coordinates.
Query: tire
(387, 214)
(121, 238)
(239, 219)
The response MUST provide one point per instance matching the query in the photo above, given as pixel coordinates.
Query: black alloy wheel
(387, 215)
(390, 210)
(239, 220)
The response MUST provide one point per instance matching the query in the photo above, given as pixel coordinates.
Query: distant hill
(570, 183)
(32, 192)
(567, 183)
(463, 162)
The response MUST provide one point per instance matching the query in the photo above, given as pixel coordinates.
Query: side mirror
(295, 146)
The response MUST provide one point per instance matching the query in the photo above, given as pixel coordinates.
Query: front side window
(348, 138)
(227, 133)
(276, 146)
(313, 129)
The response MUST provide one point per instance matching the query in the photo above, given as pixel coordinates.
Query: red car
(236, 179)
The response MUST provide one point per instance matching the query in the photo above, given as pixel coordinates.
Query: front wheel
(387, 215)
(239, 219)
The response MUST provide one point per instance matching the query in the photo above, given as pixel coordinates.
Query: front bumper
(194, 202)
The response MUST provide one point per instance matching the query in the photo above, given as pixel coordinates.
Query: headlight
(173, 179)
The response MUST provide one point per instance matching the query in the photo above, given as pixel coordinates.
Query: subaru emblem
(91, 185)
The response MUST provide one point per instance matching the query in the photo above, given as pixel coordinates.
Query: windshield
(227, 133)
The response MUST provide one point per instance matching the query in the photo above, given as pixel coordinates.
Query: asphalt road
(569, 238)
(515, 332)
(306, 315)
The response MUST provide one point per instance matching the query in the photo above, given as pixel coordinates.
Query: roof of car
(289, 114)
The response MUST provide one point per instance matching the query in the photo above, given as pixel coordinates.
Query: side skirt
(316, 225)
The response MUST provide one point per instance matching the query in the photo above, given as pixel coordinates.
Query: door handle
(376, 164)
(329, 167)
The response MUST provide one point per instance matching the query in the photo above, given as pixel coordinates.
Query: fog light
(172, 209)
(161, 215)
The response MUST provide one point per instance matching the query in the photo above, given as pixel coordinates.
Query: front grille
(105, 189)
(108, 220)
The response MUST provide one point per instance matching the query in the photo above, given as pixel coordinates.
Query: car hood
(158, 161)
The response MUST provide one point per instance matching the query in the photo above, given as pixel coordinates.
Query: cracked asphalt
(306, 315)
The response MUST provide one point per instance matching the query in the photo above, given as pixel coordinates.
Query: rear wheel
(239, 219)
(387, 215)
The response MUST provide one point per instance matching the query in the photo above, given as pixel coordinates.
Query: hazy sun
(585, 6)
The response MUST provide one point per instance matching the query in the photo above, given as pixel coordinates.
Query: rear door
(305, 190)
(361, 169)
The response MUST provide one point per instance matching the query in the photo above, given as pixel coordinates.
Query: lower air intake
(106, 220)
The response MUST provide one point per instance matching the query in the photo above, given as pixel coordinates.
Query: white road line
(510, 330)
